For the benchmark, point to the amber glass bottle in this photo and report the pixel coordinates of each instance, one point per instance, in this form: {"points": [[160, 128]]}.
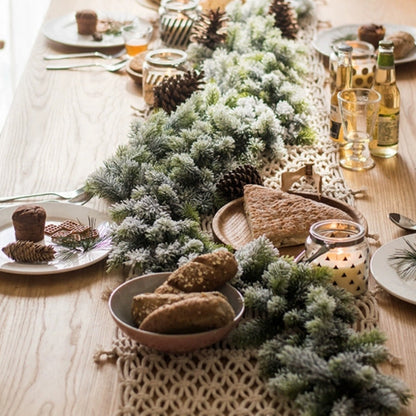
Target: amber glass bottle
{"points": [[343, 80]]}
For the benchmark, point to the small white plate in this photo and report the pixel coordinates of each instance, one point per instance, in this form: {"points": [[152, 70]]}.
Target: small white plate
{"points": [[64, 30], [56, 212], [325, 39], [386, 275]]}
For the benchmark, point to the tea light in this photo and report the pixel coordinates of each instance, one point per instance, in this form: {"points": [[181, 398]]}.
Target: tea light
{"points": [[347, 255]]}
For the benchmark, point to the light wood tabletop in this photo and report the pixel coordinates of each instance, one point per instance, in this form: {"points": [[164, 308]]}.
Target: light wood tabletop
{"points": [[61, 127]]}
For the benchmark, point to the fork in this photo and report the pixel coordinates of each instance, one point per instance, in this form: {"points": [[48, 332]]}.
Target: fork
{"points": [[70, 195], [108, 67], [83, 55]]}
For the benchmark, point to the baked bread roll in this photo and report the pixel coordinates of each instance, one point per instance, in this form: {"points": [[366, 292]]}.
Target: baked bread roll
{"points": [[285, 219], [29, 223], [146, 303], [403, 43], [203, 274], [371, 33], [197, 313]]}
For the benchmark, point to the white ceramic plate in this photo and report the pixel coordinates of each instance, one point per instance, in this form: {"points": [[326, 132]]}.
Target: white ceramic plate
{"points": [[64, 30], [385, 274], [326, 38], [56, 212]]}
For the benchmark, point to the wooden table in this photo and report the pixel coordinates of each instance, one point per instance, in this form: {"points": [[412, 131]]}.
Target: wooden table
{"points": [[61, 127]]}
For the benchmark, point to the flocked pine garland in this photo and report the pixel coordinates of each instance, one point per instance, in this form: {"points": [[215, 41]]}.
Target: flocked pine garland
{"points": [[164, 179], [308, 350]]}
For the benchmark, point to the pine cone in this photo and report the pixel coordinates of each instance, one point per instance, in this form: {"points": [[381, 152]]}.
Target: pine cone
{"points": [[29, 252], [285, 18], [210, 29], [231, 185], [175, 90]]}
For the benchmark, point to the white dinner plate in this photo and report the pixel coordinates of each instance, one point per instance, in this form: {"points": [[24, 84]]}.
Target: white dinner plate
{"points": [[56, 212], [64, 30], [325, 39], [386, 275]]}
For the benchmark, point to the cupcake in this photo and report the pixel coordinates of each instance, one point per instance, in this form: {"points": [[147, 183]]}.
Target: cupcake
{"points": [[86, 22], [29, 223], [371, 33]]}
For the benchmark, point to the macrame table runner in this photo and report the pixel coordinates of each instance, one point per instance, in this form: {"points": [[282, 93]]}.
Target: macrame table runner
{"points": [[220, 380]]}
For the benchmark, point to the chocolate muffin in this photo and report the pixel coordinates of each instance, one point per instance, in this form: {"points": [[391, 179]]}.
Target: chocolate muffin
{"points": [[86, 22], [371, 33], [29, 222]]}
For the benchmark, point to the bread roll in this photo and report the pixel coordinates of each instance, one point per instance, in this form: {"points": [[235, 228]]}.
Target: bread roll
{"points": [[285, 219], [204, 273], [197, 313], [146, 303], [403, 43]]}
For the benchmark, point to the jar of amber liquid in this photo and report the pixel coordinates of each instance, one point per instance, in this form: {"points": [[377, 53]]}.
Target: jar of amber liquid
{"points": [[363, 63], [160, 64], [176, 18], [341, 246]]}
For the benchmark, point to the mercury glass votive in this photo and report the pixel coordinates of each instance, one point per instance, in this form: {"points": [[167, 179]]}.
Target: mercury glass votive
{"points": [[346, 252]]}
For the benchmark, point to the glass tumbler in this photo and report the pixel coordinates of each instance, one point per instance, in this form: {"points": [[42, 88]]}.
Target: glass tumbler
{"points": [[359, 110]]}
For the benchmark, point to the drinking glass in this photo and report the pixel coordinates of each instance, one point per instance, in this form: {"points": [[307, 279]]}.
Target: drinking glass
{"points": [[359, 110], [136, 38]]}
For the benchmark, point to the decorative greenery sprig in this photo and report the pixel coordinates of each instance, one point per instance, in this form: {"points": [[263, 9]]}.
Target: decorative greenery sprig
{"points": [[308, 350], [404, 261], [252, 104]]}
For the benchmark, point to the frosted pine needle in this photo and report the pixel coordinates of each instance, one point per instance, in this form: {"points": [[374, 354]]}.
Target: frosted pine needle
{"points": [[404, 261]]}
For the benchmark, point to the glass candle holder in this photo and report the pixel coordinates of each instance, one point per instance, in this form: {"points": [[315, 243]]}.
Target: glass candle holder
{"points": [[344, 249], [363, 63], [176, 20], [159, 64]]}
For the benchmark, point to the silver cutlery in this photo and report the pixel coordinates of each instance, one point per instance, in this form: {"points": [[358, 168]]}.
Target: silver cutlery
{"points": [[75, 195], [108, 67], [402, 221], [84, 55]]}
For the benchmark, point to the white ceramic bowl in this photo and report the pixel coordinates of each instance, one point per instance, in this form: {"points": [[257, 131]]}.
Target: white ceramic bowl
{"points": [[120, 304]]}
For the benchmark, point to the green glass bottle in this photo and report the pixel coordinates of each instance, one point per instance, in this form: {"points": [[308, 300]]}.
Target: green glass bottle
{"points": [[385, 142]]}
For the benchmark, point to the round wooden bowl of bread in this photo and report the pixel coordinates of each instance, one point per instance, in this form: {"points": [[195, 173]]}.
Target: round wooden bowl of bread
{"points": [[120, 304]]}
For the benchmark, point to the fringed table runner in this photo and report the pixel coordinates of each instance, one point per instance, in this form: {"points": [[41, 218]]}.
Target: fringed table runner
{"points": [[220, 380]]}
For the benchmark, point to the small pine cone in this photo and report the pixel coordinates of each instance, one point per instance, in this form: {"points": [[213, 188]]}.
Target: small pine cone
{"points": [[210, 29], [29, 252], [285, 18], [177, 89], [231, 185]]}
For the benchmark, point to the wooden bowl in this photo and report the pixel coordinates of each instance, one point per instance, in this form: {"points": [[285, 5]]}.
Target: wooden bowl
{"points": [[230, 225], [120, 304]]}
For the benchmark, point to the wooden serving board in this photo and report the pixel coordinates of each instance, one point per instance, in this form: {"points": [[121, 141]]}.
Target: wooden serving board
{"points": [[230, 224]]}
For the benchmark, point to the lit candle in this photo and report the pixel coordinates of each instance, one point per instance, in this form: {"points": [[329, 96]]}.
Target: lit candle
{"points": [[349, 269], [347, 253]]}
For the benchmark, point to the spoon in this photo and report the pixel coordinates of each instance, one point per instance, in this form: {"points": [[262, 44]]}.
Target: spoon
{"points": [[402, 221]]}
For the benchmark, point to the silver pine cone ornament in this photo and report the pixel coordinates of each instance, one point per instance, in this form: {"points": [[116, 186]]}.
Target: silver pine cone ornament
{"points": [[231, 184], [29, 252], [210, 30], [175, 90], [285, 18]]}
